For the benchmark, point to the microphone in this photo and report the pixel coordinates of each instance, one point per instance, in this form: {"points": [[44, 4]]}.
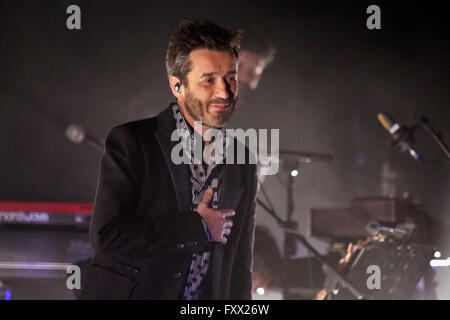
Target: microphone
{"points": [[76, 133], [402, 136]]}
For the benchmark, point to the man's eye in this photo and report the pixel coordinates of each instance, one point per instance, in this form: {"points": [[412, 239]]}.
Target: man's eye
{"points": [[210, 80], [232, 79]]}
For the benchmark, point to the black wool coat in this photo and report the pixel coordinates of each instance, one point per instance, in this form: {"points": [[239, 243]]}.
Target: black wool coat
{"points": [[143, 231]]}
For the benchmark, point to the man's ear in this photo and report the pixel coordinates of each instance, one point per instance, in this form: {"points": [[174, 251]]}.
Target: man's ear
{"points": [[175, 83]]}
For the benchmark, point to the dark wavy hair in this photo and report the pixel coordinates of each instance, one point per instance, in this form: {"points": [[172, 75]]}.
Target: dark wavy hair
{"points": [[191, 35]]}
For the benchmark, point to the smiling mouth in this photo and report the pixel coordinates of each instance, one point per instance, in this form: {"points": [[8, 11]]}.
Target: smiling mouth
{"points": [[220, 106]]}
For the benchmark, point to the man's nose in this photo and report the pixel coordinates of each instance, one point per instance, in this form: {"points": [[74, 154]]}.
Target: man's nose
{"points": [[223, 90]]}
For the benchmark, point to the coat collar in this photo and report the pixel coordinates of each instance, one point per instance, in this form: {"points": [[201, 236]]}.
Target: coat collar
{"points": [[166, 122]]}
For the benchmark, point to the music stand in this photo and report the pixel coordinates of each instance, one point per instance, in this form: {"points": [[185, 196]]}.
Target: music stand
{"points": [[400, 265]]}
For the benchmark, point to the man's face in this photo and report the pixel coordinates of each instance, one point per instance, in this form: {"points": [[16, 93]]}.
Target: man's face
{"points": [[211, 92]]}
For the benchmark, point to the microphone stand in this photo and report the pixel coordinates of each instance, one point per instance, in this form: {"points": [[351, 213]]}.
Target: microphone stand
{"points": [[290, 161], [437, 137]]}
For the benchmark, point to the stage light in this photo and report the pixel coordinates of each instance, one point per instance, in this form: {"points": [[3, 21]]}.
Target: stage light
{"points": [[5, 293], [260, 291], [437, 254], [294, 173], [440, 263]]}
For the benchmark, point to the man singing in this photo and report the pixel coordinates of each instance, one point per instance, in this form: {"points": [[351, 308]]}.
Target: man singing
{"points": [[162, 230]]}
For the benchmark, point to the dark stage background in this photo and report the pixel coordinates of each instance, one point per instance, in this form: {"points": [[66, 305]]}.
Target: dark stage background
{"points": [[329, 79]]}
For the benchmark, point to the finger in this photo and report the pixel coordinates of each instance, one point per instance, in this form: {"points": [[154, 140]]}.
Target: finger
{"points": [[227, 213], [207, 196], [228, 224]]}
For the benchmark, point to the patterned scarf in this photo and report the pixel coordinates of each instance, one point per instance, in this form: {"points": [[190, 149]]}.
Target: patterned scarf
{"points": [[202, 177]]}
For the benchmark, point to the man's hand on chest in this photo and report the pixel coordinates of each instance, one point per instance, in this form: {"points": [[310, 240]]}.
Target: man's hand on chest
{"points": [[219, 222]]}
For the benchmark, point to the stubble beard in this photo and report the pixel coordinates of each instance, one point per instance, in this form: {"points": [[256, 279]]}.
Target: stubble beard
{"points": [[199, 111]]}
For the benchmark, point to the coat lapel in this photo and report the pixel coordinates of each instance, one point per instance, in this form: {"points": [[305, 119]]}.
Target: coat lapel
{"points": [[178, 173], [231, 189], [230, 194]]}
